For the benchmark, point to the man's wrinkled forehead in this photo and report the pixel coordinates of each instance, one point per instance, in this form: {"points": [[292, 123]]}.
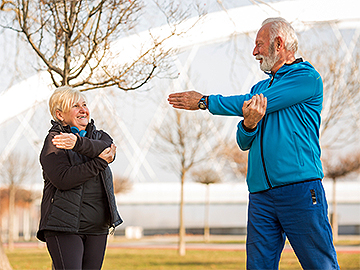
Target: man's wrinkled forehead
{"points": [[264, 33]]}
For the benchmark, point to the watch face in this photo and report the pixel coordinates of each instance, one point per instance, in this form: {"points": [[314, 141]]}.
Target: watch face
{"points": [[202, 105]]}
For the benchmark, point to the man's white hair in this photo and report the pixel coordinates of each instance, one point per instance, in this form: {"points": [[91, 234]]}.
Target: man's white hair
{"points": [[281, 28]]}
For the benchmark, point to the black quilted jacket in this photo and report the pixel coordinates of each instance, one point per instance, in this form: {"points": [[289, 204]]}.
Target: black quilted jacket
{"points": [[64, 173]]}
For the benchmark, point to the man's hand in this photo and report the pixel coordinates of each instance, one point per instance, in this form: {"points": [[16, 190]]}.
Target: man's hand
{"points": [[185, 100], [108, 154], [65, 141], [254, 110]]}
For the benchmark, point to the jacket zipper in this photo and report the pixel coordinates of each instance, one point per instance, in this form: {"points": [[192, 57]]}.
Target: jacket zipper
{"points": [[262, 153], [81, 202], [261, 143], [80, 205]]}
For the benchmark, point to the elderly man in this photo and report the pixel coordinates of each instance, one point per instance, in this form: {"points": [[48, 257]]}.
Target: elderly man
{"points": [[281, 131]]}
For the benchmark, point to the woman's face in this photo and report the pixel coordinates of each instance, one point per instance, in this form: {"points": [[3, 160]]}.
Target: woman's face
{"points": [[78, 116]]}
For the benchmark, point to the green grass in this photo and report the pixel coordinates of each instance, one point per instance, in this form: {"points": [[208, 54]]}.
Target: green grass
{"points": [[166, 259], [151, 259], [348, 243], [29, 258]]}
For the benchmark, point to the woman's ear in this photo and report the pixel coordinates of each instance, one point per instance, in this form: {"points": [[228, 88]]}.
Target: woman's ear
{"points": [[59, 115]]}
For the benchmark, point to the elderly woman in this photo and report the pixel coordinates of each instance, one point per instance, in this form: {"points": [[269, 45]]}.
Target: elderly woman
{"points": [[78, 206]]}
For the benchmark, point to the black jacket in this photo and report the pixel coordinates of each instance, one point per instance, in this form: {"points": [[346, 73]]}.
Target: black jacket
{"points": [[65, 172]]}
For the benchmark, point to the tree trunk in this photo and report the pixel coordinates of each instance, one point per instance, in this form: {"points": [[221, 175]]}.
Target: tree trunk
{"points": [[26, 225], [206, 217], [4, 261], [182, 250], [334, 220], [11, 217]]}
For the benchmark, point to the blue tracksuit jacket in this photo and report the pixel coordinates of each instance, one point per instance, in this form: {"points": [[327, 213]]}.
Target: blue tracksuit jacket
{"points": [[284, 148]]}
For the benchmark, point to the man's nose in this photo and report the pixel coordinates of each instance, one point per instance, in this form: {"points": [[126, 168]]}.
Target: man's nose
{"points": [[255, 51]]}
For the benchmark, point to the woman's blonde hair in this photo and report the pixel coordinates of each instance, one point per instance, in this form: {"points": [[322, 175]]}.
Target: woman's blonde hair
{"points": [[63, 99]]}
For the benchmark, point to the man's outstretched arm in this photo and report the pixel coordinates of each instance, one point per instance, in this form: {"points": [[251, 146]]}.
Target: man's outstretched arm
{"points": [[185, 100], [230, 106]]}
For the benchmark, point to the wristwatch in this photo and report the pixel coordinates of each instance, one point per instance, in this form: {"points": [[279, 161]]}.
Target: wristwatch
{"points": [[202, 103]]}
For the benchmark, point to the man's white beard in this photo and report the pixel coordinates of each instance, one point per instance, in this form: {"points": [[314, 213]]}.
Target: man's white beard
{"points": [[268, 62]]}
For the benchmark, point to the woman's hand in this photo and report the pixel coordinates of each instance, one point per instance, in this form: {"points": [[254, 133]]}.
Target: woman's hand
{"points": [[108, 154], [65, 141]]}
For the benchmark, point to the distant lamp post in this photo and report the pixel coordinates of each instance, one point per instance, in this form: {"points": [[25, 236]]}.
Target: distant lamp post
{"points": [[206, 177]]}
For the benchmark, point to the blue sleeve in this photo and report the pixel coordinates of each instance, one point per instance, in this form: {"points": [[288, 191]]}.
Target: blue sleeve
{"points": [[295, 87], [244, 139], [230, 106]]}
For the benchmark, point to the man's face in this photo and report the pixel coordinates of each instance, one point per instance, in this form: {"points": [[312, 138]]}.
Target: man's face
{"points": [[264, 50]]}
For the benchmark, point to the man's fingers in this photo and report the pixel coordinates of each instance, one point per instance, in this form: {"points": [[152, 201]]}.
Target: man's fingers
{"points": [[252, 102], [176, 95], [262, 102], [187, 100], [258, 102], [177, 100], [265, 103], [178, 106]]}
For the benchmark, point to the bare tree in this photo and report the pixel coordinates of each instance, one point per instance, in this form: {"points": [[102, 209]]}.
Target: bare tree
{"points": [[4, 261], [237, 159], [75, 40], [181, 139], [15, 171], [340, 72], [122, 184], [23, 197], [338, 170], [340, 121], [206, 177]]}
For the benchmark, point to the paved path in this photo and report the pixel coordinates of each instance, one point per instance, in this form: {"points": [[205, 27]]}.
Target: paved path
{"points": [[196, 243], [192, 243]]}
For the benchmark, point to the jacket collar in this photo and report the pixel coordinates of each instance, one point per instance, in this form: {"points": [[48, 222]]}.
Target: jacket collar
{"points": [[58, 127], [285, 67]]}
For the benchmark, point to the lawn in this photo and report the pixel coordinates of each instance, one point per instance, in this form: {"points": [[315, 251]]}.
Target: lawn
{"points": [[167, 259]]}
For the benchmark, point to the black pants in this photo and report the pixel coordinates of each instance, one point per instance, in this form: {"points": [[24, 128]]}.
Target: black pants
{"points": [[77, 251]]}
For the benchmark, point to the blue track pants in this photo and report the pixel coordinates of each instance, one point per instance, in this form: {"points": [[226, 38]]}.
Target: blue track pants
{"points": [[298, 212]]}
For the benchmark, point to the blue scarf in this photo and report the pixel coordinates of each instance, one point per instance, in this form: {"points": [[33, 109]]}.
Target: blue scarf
{"points": [[75, 130]]}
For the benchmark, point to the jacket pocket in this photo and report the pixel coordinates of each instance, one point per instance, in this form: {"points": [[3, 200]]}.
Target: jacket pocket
{"points": [[298, 150], [65, 210]]}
